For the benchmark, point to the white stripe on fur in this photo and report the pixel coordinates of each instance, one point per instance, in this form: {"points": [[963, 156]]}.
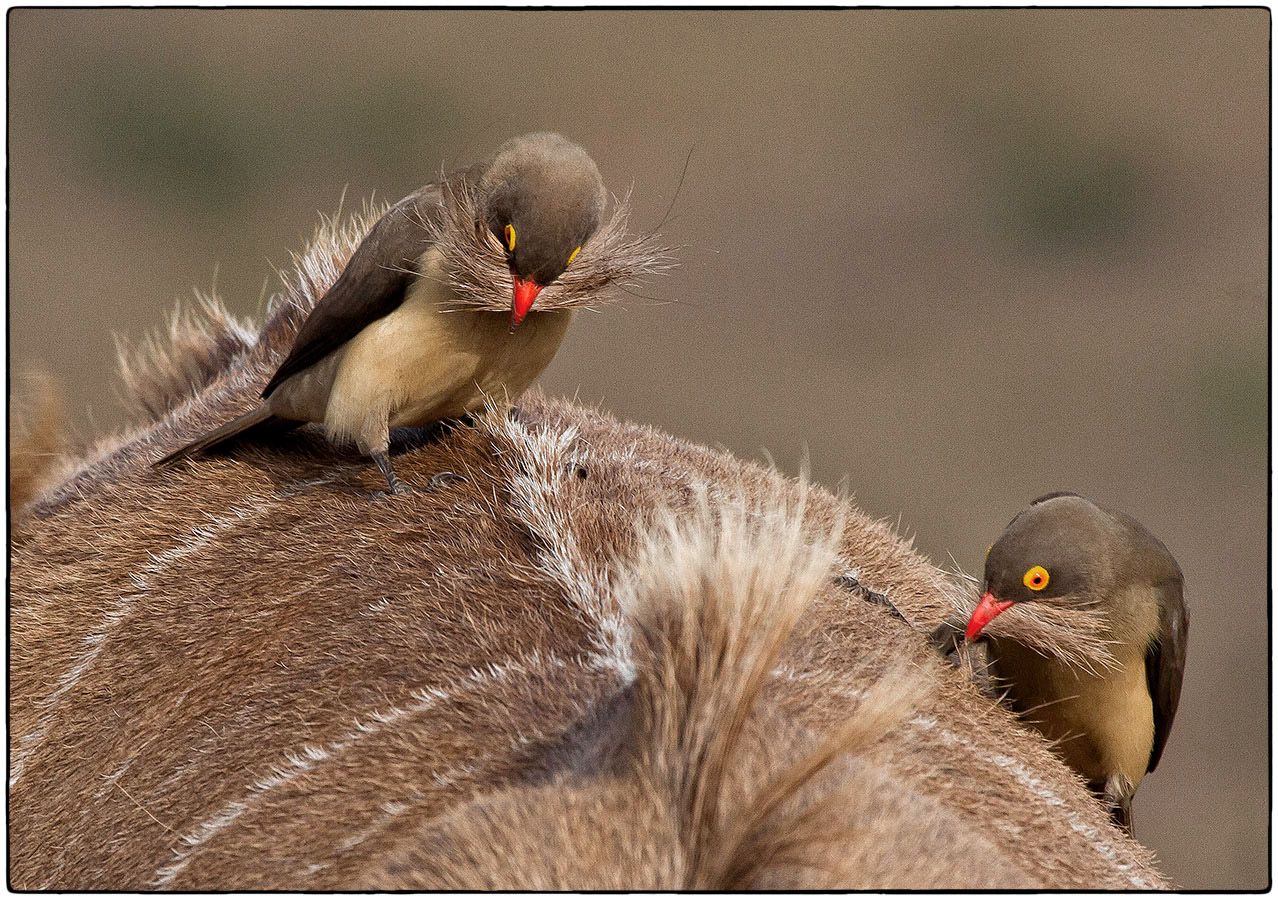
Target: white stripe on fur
{"points": [[296, 764], [536, 496], [117, 613], [1040, 790]]}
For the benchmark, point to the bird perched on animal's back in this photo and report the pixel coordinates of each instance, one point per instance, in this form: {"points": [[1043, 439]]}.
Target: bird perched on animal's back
{"points": [[1094, 655], [460, 292]]}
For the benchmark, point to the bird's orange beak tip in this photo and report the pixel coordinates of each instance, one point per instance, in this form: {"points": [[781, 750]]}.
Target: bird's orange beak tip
{"points": [[526, 292], [986, 611]]}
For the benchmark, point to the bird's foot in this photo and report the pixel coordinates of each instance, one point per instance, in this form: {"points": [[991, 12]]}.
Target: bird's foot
{"points": [[443, 480], [438, 482], [394, 489], [947, 637], [394, 486]]}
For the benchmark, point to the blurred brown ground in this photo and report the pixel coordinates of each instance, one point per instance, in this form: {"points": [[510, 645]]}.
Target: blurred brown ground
{"points": [[959, 258]]}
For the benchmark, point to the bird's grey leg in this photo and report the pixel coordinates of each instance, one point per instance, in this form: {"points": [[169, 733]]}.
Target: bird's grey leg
{"points": [[373, 439], [948, 636], [388, 472], [1117, 794]]}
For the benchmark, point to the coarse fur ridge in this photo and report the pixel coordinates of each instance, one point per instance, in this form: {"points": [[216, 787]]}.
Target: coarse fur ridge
{"points": [[715, 598], [39, 441], [197, 345], [170, 365], [240, 673]]}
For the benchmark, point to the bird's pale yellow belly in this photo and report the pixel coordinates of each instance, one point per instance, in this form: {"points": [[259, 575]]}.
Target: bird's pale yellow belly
{"points": [[446, 364], [1102, 726], [424, 362]]}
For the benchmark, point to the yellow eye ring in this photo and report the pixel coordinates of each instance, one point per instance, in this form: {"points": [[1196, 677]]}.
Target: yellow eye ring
{"points": [[1036, 578], [573, 255], [510, 238]]}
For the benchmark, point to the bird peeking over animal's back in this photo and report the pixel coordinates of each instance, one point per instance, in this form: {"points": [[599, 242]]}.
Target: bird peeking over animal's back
{"points": [[459, 293], [1087, 626]]}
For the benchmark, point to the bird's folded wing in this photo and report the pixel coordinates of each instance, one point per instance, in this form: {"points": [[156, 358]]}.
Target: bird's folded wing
{"points": [[373, 284], [1165, 663]]}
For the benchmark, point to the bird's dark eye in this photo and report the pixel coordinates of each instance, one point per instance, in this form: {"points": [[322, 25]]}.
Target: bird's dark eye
{"points": [[509, 233], [1036, 578]]}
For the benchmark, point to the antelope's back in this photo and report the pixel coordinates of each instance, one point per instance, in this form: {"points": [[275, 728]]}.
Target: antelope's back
{"points": [[245, 673]]}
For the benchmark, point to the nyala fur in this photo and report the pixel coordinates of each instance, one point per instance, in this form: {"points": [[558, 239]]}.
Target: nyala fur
{"points": [[585, 654]]}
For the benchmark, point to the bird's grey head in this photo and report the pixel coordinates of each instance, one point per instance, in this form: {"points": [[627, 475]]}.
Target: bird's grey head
{"points": [[542, 198], [1059, 557], [1063, 548], [1071, 576]]}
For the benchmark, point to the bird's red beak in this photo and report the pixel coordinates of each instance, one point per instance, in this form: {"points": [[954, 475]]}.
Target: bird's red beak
{"points": [[525, 293], [985, 612]]}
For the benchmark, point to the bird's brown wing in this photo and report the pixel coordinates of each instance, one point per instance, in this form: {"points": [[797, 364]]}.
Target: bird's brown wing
{"points": [[1165, 663], [375, 280]]}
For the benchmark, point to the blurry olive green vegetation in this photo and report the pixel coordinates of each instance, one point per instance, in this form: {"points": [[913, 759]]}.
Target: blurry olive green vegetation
{"points": [[1057, 184], [178, 136], [1232, 397], [957, 258], [1065, 192]]}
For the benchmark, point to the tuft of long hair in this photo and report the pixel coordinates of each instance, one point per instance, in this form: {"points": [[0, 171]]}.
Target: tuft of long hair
{"points": [[714, 599], [315, 269], [171, 364], [1076, 634], [613, 258], [39, 442]]}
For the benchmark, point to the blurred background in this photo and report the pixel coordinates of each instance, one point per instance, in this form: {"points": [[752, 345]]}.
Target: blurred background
{"points": [[960, 258]]}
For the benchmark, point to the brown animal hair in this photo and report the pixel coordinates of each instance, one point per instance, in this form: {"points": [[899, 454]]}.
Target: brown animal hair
{"points": [[710, 603], [39, 439], [584, 654], [178, 361]]}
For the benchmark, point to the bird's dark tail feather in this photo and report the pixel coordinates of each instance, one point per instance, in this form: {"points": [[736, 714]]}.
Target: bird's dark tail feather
{"points": [[256, 422]]}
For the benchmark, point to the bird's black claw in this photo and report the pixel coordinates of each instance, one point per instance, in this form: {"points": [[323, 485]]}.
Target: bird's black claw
{"points": [[947, 637], [393, 484], [395, 489], [443, 480]]}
